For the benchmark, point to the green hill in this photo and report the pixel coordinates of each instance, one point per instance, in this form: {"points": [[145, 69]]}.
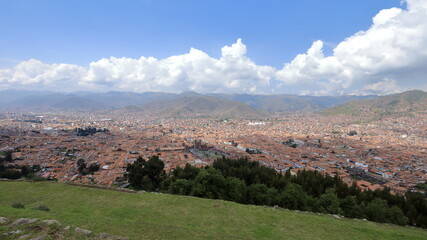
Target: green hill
{"points": [[163, 216], [396, 104]]}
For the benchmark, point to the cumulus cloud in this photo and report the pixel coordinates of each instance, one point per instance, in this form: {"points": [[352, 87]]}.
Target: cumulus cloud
{"points": [[36, 75], [392, 48], [193, 71], [385, 87], [388, 57]]}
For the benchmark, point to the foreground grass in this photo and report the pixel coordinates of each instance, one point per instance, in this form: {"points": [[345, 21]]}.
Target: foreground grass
{"points": [[163, 216]]}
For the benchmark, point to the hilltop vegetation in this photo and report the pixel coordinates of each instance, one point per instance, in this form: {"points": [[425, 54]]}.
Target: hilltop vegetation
{"points": [[164, 216], [248, 182]]}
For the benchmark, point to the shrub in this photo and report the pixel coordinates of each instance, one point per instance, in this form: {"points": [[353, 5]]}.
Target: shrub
{"points": [[352, 133], [42, 208], [18, 205], [10, 174], [38, 178]]}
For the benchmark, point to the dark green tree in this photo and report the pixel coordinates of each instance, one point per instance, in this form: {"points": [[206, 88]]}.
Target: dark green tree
{"points": [[350, 207], [235, 190], [81, 165], [329, 202], [260, 194], [181, 187], [93, 167], [8, 156], [146, 175], [396, 216], [294, 198], [209, 183], [377, 210]]}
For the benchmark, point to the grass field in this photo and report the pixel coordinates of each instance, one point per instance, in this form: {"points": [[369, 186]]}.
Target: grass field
{"points": [[163, 216]]}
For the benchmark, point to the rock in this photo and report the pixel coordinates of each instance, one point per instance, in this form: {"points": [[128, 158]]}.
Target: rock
{"points": [[111, 237], [52, 222], [24, 236], [38, 237], [82, 231], [4, 220], [15, 232], [336, 216], [23, 221], [67, 228]]}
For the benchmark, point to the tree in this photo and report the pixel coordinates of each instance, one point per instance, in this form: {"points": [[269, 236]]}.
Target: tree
{"points": [[188, 172], [81, 165], [154, 170], [377, 210], [146, 175], [260, 194], [209, 183], [235, 190], [25, 170], [135, 173], [421, 221], [10, 174], [396, 216], [8, 157], [93, 167], [293, 197], [181, 187], [350, 207], [352, 133], [329, 202]]}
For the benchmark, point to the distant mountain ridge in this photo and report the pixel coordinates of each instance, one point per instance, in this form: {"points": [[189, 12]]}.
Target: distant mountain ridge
{"points": [[396, 104], [169, 104], [203, 106]]}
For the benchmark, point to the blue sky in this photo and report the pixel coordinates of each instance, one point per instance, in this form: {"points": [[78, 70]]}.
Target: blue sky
{"points": [[82, 32]]}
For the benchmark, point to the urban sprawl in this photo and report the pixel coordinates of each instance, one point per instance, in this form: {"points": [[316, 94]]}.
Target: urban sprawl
{"points": [[390, 152]]}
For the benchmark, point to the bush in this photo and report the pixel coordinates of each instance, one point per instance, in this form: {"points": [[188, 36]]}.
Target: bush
{"points": [[10, 174], [18, 205], [42, 208], [38, 178], [352, 133]]}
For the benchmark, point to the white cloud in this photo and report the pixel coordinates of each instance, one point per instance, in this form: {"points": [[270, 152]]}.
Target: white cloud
{"points": [[33, 74], [195, 71], [385, 87], [393, 47], [390, 56]]}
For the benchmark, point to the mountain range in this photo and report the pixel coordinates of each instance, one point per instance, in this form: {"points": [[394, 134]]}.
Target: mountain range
{"points": [[43, 100], [213, 105]]}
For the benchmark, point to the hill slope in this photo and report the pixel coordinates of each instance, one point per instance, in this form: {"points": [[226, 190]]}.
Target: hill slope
{"points": [[289, 103], [203, 106], [163, 216], [396, 104]]}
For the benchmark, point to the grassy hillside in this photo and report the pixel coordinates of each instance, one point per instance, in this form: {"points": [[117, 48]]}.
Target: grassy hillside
{"points": [[396, 104], [163, 216]]}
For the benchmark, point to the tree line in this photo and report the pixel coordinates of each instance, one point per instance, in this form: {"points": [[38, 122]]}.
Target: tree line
{"points": [[248, 182], [13, 172]]}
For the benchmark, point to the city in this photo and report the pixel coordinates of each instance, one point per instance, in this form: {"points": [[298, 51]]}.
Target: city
{"points": [[391, 152]]}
